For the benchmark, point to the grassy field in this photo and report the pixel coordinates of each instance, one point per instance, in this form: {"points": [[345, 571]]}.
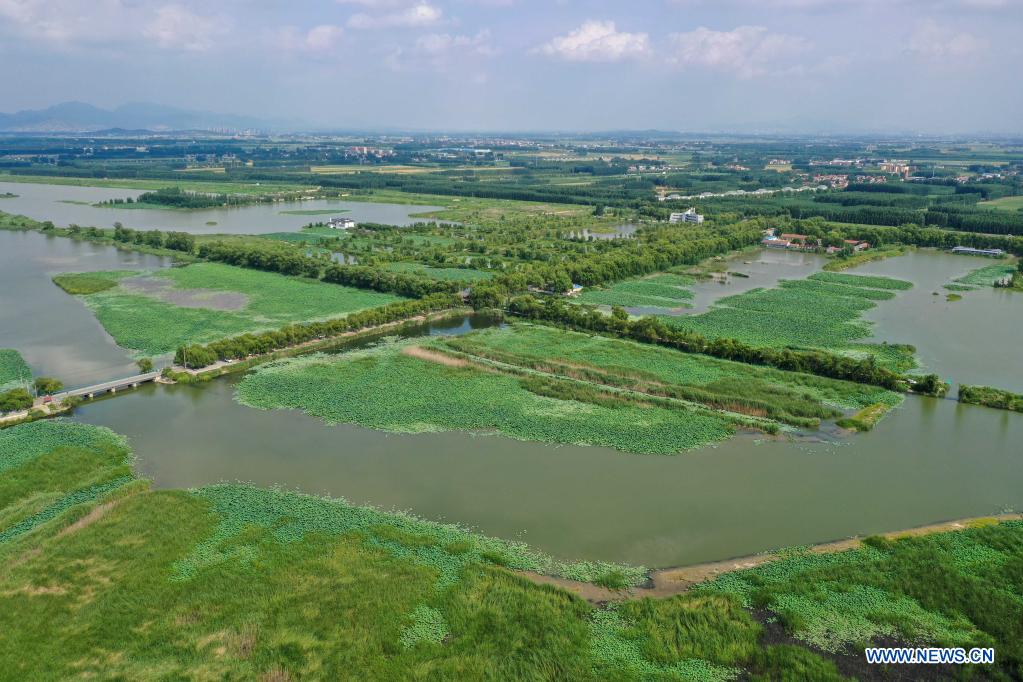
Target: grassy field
{"points": [[102, 577], [1014, 204], [385, 388], [14, 371], [152, 313], [957, 589], [449, 274], [650, 367], [822, 311], [538, 383], [666, 291]]}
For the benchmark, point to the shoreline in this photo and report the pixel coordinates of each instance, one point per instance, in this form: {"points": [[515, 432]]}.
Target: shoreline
{"points": [[675, 580]]}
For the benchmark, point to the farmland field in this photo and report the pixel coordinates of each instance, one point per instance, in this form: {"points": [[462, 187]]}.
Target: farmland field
{"points": [[1014, 204], [822, 311], [390, 389], [449, 274], [14, 371], [659, 291], [153, 313]]}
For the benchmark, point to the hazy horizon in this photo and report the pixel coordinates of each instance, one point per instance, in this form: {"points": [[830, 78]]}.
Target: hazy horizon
{"points": [[735, 66]]}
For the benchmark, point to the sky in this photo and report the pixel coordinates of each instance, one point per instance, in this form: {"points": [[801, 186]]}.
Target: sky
{"points": [[929, 66]]}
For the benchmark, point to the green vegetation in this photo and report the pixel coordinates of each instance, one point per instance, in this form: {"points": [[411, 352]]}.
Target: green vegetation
{"points": [[155, 313], [447, 274], [86, 282], [14, 371], [950, 589], [388, 388], [657, 291], [290, 336], [1013, 204], [991, 397], [867, 418], [104, 577], [988, 276], [662, 371], [15, 400], [822, 312], [46, 385]]}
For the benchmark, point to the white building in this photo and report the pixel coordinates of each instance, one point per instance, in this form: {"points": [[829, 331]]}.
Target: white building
{"points": [[340, 223], [690, 216]]}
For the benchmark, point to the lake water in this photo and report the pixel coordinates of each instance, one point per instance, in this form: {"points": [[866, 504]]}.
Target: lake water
{"points": [[973, 341], [56, 334], [50, 202], [930, 460]]}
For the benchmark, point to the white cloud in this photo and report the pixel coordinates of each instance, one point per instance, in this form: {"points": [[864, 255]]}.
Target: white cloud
{"points": [[175, 26], [324, 38], [597, 41], [418, 14], [932, 41], [747, 51], [437, 44], [110, 23]]}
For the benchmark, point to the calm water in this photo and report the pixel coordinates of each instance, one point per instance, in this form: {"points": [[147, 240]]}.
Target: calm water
{"points": [[763, 269], [973, 341], [56, 334], [931, 460], [934, 460], [49, 202]]}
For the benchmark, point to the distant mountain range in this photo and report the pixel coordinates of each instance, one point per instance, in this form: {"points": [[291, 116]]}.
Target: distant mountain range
{"points": [[71, 117]]}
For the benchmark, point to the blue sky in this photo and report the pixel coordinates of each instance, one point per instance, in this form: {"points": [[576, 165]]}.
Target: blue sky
{"points": [[690, 65]]}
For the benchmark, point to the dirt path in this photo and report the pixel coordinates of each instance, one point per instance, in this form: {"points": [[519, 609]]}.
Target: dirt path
{"points": [[667, 582], [433, 356]]}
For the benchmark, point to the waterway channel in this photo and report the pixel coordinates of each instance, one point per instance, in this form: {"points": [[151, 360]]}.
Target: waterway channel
{"points": [[67, 204], [928, 461]]}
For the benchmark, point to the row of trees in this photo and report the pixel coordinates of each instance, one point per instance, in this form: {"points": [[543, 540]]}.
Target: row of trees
{"points": [[177, 241], [653, 330], [237, 347]]}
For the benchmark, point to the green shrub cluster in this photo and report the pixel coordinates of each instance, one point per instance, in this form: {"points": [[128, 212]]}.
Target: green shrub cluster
{"points": [[991, 397]]}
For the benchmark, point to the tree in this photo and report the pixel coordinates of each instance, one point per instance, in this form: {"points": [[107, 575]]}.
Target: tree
{"points": [[145, 365], [47, 385], [14, 400]]}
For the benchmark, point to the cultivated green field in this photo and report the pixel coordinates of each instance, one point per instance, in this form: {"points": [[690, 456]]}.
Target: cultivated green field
{"points": [[1014, 204], [822, 311], [152, 313], [386, 388], [14, 371], [449, 274], [659, 291]]}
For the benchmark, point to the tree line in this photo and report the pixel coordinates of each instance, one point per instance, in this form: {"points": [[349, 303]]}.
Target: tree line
{"points": [[652, 330], [197, 356]]}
